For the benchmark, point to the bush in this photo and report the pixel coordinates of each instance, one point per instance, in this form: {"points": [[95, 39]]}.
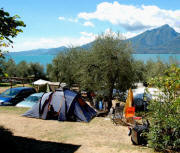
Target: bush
{"points": [[164, 112]]}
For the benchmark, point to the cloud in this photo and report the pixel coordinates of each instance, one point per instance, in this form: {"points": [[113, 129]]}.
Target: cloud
{"points": [[68, 19], [61, 18], [133, 18], [87, 34], [72, 20], [84, 38], [30, 43], [124, 35], [88, 23], [130, 34]]}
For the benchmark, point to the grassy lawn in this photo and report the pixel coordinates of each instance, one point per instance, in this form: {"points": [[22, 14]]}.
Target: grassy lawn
{"points": [[98, 136], [5, 84], [12, 110]]}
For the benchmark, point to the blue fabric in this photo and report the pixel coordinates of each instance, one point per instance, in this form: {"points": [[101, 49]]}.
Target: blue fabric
{"points": [[69, 97], [90, 110], [62, 114], [85, 113], [70, 109], [79, 112]]}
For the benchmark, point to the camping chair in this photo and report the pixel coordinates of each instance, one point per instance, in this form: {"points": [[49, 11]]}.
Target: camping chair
{"points": [[117, 117], [118, 110]]}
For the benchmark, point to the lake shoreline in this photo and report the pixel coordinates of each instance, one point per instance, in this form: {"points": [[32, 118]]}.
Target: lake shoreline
{"points": [[47, 59]]}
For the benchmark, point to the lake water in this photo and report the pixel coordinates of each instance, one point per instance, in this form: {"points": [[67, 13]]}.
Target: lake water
{"points": [[46, 59], [163, 57], [42, 59]]}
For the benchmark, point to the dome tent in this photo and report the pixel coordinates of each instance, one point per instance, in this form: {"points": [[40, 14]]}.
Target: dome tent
{"points": [[63, 105]]}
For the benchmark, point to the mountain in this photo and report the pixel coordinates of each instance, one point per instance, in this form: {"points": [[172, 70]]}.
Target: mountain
{"points": [[49, 51], [162, 40]]}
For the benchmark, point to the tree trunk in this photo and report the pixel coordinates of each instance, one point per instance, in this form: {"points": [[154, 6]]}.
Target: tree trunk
{"points": [[109, 104], [110, 96]]}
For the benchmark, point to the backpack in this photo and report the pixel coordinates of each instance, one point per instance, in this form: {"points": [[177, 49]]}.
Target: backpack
{"points": [[138, 137]]}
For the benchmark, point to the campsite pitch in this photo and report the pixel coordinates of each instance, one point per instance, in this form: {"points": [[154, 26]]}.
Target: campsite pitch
{"points": [[97, 136]]}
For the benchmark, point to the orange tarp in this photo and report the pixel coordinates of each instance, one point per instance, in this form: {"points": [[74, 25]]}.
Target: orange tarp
{"points": [[129, 102], [130, 112]]}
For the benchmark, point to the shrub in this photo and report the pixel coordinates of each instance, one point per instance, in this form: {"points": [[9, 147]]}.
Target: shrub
{"points": [[164, 112]]}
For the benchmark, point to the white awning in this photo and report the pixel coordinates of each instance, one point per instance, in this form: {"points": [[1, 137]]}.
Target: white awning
{"points": [[40, 82]]}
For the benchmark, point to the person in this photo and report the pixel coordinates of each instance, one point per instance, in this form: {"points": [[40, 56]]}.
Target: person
{"points": [[96, 104], [111, 112], [100, 105], [90, 98], [105, 105]]}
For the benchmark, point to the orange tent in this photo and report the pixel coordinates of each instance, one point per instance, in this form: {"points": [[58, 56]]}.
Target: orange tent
{"points": [[128, 109]]}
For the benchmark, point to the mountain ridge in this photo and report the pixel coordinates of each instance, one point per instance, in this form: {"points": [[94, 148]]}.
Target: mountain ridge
{"points": [[161, 40]]}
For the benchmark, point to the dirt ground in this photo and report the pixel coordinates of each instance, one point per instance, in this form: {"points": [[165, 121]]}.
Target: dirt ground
{"points": [[98, 136], [3, 89]]}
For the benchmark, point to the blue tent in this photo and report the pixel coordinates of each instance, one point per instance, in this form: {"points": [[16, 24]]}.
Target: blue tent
{"points": [[63, 105]]}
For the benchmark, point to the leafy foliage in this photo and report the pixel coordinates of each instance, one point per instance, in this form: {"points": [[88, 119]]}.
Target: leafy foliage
{"points": [[107, 65], [110, 66], [65, 66], [10, 66], [22, 69], [154, 68], [36, 70], [2, 67], [165, 112], [9, 28]]}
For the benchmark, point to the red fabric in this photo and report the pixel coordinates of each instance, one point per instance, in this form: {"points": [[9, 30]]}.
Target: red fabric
{"points": [[130, 112], [137, 118], [92, 94], [81, 102]]}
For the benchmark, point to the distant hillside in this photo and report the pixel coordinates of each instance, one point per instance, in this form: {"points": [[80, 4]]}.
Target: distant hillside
{"points": [[162, 40], [49, 51]]}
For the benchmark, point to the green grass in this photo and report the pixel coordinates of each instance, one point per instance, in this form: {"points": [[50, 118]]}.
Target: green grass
{"points": [[5, 84], [13, 109]]}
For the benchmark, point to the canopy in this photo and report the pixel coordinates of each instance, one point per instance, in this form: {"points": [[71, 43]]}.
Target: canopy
{"points": [[40, 82]]}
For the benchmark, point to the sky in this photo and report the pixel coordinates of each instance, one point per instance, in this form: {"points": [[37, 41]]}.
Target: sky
{"points": [[55, 23]]}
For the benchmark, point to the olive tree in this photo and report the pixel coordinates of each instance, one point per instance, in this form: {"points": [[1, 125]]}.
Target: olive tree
{"points": [[66, 66], [9, 28], [22, 69], [36, 70], [109, 66], [106, 65]]}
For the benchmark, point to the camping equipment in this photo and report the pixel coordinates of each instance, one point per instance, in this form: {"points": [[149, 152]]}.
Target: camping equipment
{"points": [[137, 134], [129, 101], [62, 105], [124, 112], [130, 112]]}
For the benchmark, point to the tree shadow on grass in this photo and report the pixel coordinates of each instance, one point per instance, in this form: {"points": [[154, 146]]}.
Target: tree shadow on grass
{"points": [[17, 144]]}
